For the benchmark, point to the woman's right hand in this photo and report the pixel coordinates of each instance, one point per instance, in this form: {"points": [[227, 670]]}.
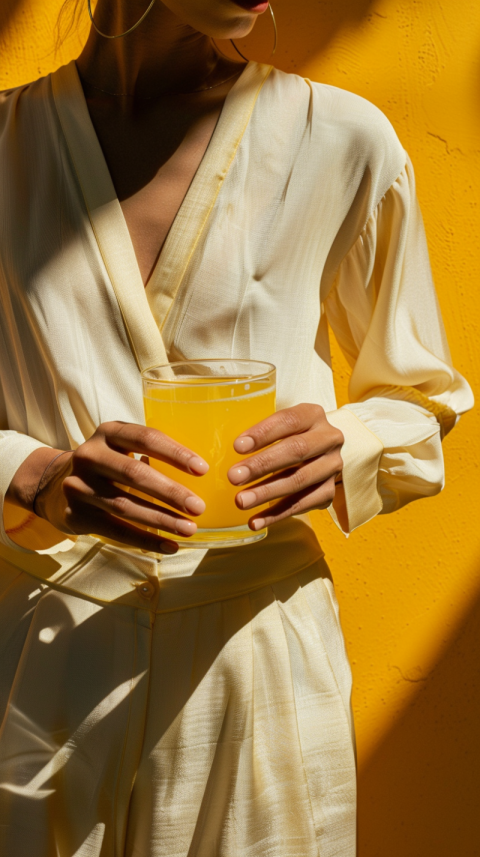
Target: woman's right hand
{"points": [[85, 492]]}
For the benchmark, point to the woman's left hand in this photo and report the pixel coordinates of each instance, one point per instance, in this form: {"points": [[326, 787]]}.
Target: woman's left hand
{"points": [[304, 464]]}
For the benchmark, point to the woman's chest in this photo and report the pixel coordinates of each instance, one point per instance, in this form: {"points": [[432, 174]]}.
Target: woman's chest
{"points": [[152, 159]]}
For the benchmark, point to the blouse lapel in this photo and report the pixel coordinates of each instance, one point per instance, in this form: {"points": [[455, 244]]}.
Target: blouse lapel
{"points": [[193, 215], [106, 217], [145, 310]]}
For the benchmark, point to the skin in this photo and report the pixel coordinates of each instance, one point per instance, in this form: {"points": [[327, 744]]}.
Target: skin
{"points": [[154, 131]]}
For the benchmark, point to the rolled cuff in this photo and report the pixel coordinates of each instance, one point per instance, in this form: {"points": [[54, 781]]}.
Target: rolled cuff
{"points": [[14, 449], [357, 499]]}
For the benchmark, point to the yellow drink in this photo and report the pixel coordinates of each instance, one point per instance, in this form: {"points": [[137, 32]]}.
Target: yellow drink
{"points": [[206, 415]]}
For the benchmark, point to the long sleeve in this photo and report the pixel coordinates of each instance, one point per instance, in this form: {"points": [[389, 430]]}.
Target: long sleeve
{"points": [[405, 395]]}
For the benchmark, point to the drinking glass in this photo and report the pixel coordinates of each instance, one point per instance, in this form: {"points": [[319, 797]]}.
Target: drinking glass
{"points": [[205, 405]]}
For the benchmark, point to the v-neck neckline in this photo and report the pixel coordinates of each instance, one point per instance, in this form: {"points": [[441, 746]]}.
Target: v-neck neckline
{"points": [[145, 308]]}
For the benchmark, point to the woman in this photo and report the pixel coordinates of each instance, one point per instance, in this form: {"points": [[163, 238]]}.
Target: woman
{"points": [[159, 202]]}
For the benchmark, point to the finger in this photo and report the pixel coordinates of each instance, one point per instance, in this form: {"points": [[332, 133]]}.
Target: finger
{"points": [[283, 423], [117, 467], [315, 497], [290, 451], [148, 441], [287, 482], [126, 506], [102, 524]]}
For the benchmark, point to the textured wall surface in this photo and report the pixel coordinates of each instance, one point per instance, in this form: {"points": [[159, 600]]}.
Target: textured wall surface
{"points": [[409, 583]]}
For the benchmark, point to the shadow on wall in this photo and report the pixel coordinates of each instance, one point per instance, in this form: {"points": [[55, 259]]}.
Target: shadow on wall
{"points": [[419, 793], [304, 30], [310, 26]]}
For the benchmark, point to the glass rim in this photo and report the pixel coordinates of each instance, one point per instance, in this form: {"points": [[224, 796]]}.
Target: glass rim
{"points": [[204, 380]]}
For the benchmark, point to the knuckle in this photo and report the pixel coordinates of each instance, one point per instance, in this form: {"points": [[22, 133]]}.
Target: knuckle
{"points": [[81, 453], [159, 520], [329, 492], [338, 437], [132, 469], [165, 522], [299, 478], [108, 430], [291, 418], [151, 437], [312, 413], [261, 432], [181, 454], [107, 427], [84, 457], [317, 411], [176, 493], [119, 505], [299, 447], [262, 463]]}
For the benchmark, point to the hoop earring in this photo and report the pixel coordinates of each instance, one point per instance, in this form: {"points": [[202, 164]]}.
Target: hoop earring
{"points": [[119, 35], [275, 35]]}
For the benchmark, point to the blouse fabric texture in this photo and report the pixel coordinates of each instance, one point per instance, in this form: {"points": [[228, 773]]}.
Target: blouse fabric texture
{"points": [[200, 704]]}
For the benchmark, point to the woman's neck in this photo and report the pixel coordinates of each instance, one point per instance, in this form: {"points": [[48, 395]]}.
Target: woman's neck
{"points": [[164, 55]]}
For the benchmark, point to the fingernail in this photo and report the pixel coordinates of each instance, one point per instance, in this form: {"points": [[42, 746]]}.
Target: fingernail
{"points": [[244, 444], [239, 474], [168, 547], [186, 528], [198, 464], [247, 498], [194, 505], [258, 523]]}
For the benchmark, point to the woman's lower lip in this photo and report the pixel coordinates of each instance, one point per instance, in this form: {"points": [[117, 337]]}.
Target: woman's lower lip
{"points": [[252, 5]]}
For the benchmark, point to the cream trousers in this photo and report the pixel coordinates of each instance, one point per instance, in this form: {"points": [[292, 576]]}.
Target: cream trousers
{"points": [[161, 729]]}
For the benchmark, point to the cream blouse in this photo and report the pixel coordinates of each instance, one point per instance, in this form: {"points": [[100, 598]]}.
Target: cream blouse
{"points": [[302, 217]]}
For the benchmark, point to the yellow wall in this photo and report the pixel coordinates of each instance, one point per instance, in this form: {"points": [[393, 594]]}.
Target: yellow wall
{"points": [[408, 583]]}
